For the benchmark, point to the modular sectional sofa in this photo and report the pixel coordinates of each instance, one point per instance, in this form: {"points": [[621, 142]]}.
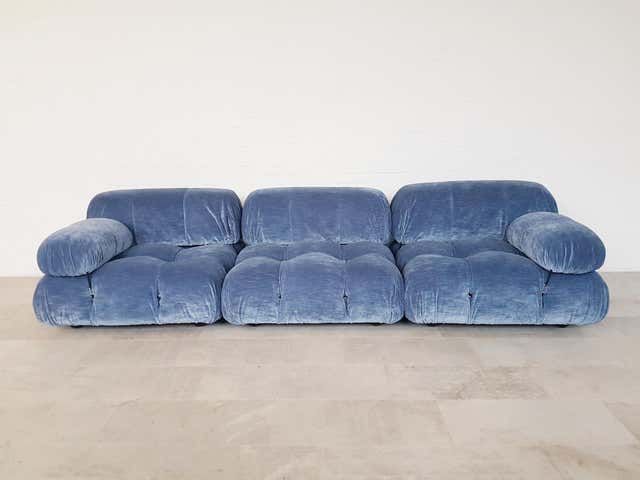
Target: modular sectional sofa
{"points": [[495, 253], [142, 257], [315, 255], [488, 252]]}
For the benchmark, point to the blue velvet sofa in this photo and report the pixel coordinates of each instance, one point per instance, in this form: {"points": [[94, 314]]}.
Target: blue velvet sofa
{"points": [[314, 255], [490, 252], [141, 257], [495, 252]]}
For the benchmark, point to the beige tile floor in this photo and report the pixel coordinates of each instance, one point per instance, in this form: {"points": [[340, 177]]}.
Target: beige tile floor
{"points": [[356, 402]]}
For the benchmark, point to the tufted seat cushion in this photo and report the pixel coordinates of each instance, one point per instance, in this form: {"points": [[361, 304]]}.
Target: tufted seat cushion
{"points": [[460, 265], [347, 251], [313, 282], [452, 248], [225, 254], [494, 287], [314, 255], [146, 284]]}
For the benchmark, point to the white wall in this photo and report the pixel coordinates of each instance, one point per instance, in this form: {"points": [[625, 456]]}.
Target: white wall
{"points": [[247, 94]]}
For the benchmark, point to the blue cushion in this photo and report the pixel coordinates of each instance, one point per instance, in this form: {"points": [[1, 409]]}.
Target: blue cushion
{"points": [[162, 251], [575, 299], [445, 211], [499, 288], [178, 216], [341, 215], [557, 243], [347, 251], [82, 247], [225, 254], [139, 289], [453, 248], [313, 287]]}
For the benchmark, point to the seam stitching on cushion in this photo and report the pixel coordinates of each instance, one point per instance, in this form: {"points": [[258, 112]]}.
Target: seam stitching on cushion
{"points": [[93, 296], [543, 291], [541, 309], [339, 215], [345, 295], [157, 313], [279, 306], [469, 290]]}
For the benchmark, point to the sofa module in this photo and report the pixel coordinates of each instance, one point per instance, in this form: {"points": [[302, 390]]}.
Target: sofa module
{"points": [[314, 255], [495, 252], [149, 256]]}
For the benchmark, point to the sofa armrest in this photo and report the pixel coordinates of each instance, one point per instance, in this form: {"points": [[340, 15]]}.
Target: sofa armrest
{"points": [[556, 242], [82, 247]]}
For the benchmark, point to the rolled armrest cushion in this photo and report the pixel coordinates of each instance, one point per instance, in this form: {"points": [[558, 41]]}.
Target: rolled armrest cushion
{"points": [[83, 246], [557, 243]]}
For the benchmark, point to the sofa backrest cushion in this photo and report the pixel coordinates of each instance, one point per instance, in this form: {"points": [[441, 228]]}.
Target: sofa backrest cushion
{"points": [[464, 210], [340, 214], [178, 216]]}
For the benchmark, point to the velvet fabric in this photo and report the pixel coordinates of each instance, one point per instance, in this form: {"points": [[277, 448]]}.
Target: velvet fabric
{"points": [[143, 286], [313, 287], [557, 243], [185, 240], [458, 267], [82, 247], [176, 216], [315, 255], [453, 248], [347, 251], [447, 211], [225, 254], [324, 255], [339, 215], [499, 288]]}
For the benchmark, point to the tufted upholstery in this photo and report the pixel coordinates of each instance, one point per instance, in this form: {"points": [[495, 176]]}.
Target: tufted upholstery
{"points": [[458, 267], [444, 211], [147, 284], [328, 283], [225, 254], [340, 215], [499, 288], [557, 243], [487, 252], [347, 251], [177, 216], [452, 248], [82, 247], [184, 243], [315, 255]]}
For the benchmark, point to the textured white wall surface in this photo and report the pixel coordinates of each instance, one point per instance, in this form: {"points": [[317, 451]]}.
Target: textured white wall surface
{"points": [[98, 95]]}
